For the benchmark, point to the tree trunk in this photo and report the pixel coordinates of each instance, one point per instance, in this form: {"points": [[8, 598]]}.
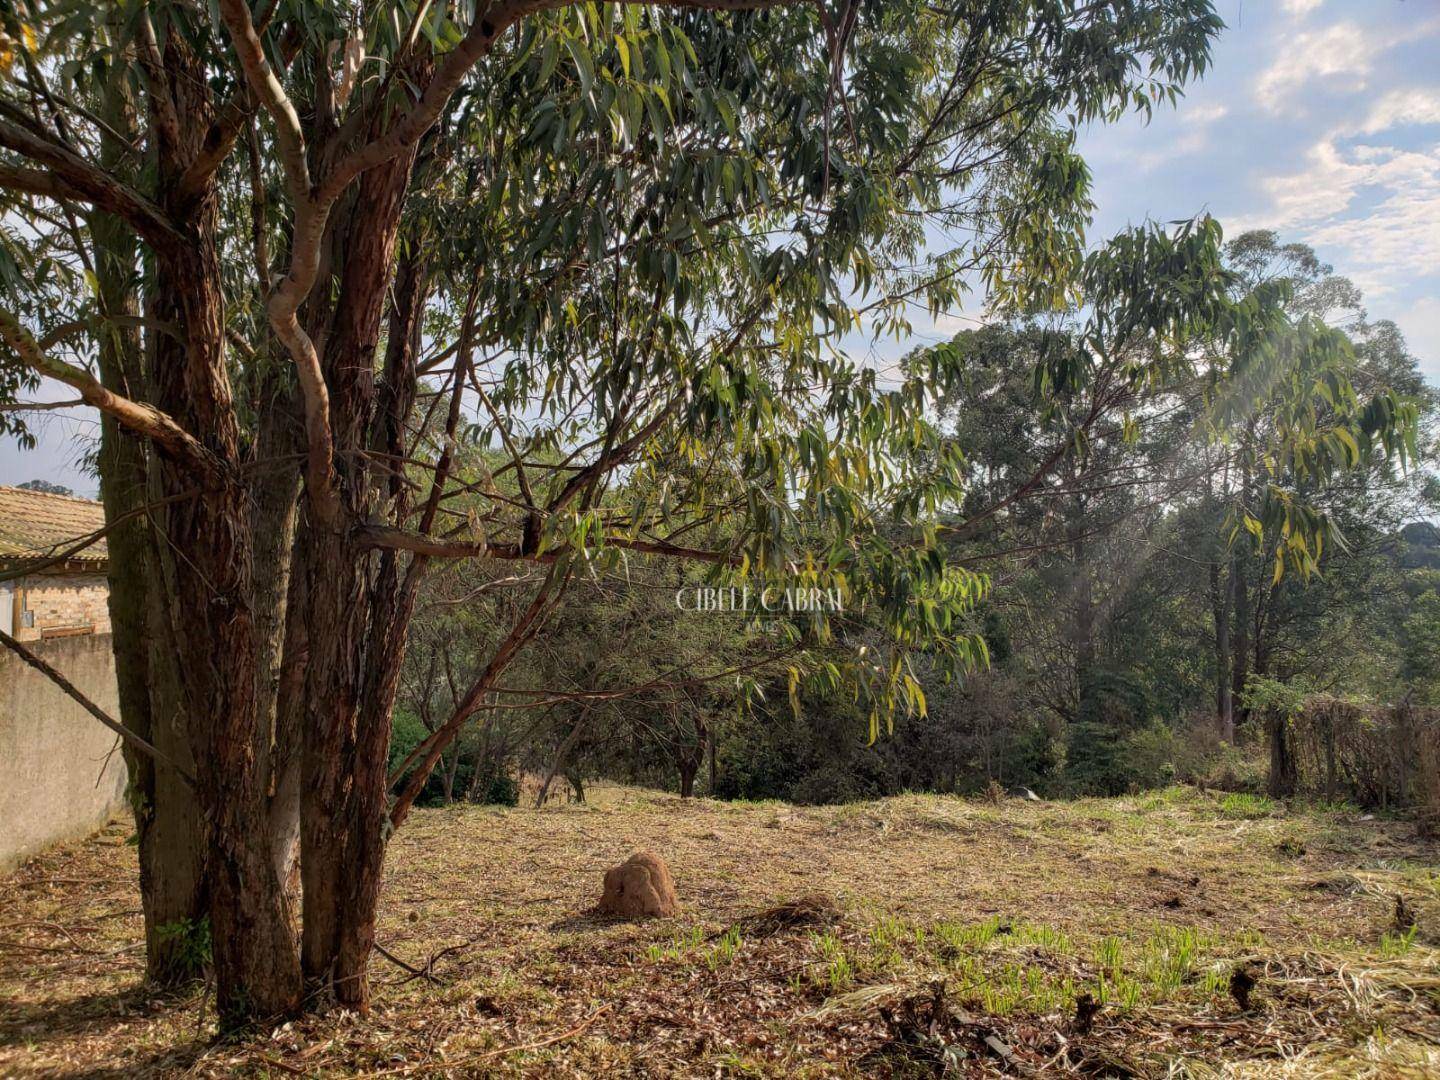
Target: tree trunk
{"points": [[1240, 652], [485, 754], [448, 777], [1084, 600], [289, 715], [278, 601], [359, 612], [1284, 773], [1240, 562], [1220, 598], [168, 824], [562, 753], [689, 759], [207, 567], [169, 827], [688, 769]]}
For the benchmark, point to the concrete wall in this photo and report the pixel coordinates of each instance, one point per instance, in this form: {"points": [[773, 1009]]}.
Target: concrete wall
{"points": [[55, 781]]}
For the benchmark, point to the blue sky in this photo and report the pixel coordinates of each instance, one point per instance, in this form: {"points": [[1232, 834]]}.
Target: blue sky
{"points": [[1319, 118]]}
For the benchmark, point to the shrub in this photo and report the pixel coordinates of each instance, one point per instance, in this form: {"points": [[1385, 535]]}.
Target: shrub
{"points": [[406, 733], [493, 784], [1115, 717], [1245, 806], [1151, 754]]}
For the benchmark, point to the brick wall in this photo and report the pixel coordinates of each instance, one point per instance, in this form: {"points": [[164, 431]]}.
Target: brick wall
{"points": [[61, 605]]}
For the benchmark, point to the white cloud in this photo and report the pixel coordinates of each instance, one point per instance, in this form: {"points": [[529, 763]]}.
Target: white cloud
{"points": [[1418, 105], [1209, 113], [1194, 137], [1338, 50], [949, 323], [1185, 145], [1396, 239], [1421, 324], [1341, 53], [1302, 7]]}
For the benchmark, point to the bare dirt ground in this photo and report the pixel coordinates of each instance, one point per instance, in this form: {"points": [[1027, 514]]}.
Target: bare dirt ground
{"points": [[933, 935]]}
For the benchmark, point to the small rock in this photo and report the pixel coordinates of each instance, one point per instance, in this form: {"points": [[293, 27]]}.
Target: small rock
{"points": [[999, 1048], [640, 888]]}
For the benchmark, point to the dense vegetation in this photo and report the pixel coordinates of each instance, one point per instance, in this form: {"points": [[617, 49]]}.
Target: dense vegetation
{"points": [[1127, 612]]}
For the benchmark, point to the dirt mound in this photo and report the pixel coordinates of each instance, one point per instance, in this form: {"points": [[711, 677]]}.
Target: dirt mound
{"points": [[640, 888]]}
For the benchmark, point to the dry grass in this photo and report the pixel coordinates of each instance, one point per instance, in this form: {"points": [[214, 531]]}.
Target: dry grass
{"points": [[1148, 904]]}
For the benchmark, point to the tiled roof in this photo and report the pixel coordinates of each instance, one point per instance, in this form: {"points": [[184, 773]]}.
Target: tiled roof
{"points": [[34, 524]]}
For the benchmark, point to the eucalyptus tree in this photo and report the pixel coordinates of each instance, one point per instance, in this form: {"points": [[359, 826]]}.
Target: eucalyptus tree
{"points": [[1264, 434], [614, 240], [1248, 487]]}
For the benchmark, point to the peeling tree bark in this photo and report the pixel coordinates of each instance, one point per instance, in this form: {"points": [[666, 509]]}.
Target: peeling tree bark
{"points": [[208, 571], [170, 829]]}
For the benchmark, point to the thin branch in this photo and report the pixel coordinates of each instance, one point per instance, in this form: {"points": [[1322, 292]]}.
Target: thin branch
{"points": [[40, 406], [28, 566], [521, 631], [387, 536], [89, 706]]}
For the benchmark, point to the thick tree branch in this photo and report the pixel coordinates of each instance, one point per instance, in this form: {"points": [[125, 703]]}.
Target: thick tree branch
{"points": [[265, 84], [140, 418], [308, 233], [313, 202], [35, 182], [448, 76], [219, 141], [161, 92], [67, 175]]}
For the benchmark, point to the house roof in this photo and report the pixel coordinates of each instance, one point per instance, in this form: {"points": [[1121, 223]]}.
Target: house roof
{"points": [[38, 525]]}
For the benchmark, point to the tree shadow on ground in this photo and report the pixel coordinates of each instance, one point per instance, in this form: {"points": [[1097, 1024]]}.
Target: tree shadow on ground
{"points": [[588, 920], [76, 1015], [89, 1014], [171, 1061]]}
